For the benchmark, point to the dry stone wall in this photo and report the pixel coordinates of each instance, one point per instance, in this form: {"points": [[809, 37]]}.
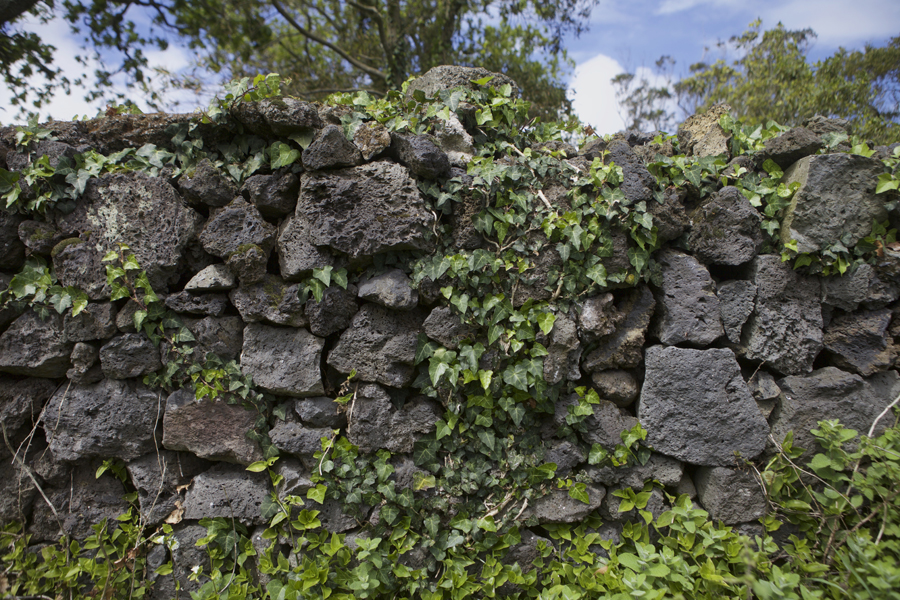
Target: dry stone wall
{"points": [[723, 350]]}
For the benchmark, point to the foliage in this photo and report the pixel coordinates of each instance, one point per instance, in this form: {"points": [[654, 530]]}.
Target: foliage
{"points": [[771, 80], [35, 286]]}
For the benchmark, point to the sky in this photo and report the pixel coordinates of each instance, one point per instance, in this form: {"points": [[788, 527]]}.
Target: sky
{"points": [[624, 35]]}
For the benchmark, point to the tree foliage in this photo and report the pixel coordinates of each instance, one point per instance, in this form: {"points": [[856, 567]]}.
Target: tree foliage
{"points": [[322, 46], [771, 79]]}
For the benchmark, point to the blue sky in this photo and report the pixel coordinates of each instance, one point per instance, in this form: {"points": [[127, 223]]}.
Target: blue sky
{"points": [[624, 34]]}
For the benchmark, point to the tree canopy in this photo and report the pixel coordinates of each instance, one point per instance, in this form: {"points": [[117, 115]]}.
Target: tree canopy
{"points": [[771, 79], [321, 45]]}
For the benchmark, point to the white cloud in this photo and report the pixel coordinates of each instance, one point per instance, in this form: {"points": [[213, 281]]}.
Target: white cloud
{"points": [[838, 22], [593, 97], [668, 7]]}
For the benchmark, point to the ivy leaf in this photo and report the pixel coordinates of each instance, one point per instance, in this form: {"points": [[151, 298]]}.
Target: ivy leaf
{"points": [[425, 348], [517, 414], [485, 378], [545, 321], [487, 438], [282, 155], [317, 494], [578, 491], [517, 376]]}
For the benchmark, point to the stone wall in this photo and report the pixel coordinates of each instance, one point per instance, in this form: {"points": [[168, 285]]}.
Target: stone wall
{"points": [[722, 351]]}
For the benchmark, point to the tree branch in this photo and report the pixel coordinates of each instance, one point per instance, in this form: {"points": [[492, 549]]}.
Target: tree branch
{"points": [[10, 10]]}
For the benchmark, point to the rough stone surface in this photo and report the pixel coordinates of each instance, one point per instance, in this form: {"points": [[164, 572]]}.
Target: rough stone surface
{"points": [[847, 291], [205, 184], [598, 317], [664, 469], [12, 250], [21, 402], [372, 138], [380, 344], [736, 302], [420, 155], [669, 216], [272, 300], [622, 349], [95, 322], [274, 195], [213, 305], [884, 287], [284, 362], [297, 255], [129, 355], [605, 426], [447, 77], [559, 507], [279, 116], [726, 229], [765, 391], [362, 211], [85, 369], [223, 336], [331, 150], [234, 226], [616, 385], [212, 430], [214, 278], [730, 495], [17, 491], [565, 455], [830, 393], [696, 407], [453, 139], [248, 264], [564, 352], [320, 412], [785, 329], [860, 342], [333, 313], [297, 439], [156, 477], [391, 289], [789, 147], [79, 264], [227, 490], [375, 423], [701, 134], [687, 309], [638, 183], [35, 348], [109, 419], [836, 201]]}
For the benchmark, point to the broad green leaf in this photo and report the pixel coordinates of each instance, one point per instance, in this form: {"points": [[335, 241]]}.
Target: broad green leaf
{"points": [[578, 491], [317, 494], [545, 321]]}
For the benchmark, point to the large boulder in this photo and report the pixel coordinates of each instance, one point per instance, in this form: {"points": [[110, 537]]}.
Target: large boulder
{"points": [[420, 155], [447, 77], [331, 149], [726, 229], [237, 226], [789, 147], [283, 361], [271, 301], [375, 423], [35, 348], [227, 490], [696, 407], [366, 210], [687, 306]]}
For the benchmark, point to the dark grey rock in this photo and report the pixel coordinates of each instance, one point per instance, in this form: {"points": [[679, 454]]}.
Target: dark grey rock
{"points": [[320, 412], [391, 289], [606, 425], [669, 216], [617, 386], [9, 313], [623, 348], [785, 329], [288, 116], [736, 302], [765, 391], [860, 342], [696, 407], [109, 419], [380, 344], [565, 455], [726, 229], [366, 210], [836, 201], [664, 469], [730, 495], [283, 361], [79, 264], [559, 507], [274, 195], [297, 478], [35, 348], [235, 226], [830, 393], [331, 150], [820, 125], [297, 256], [598, 317], [686, 487], [847, 291], [444, 326], [420, 155], [374, 423], [95, 322], [564, 352], [272, 301], [227, 490], [248, 263], [447, 77], [298, 440], [85, 364], [213, 305], [21, 402], [12, 250], [334, 312], [205, 184], [333, 517], [638, 184], [223, 336], [214, 278], [526, 552], [687, 309], [53, 150], [884, 287], [185, 556], [213, 430], [156, 476], [372, 138], [701, 135], [129, 355], [17, 491], [791, 146], [125, 317]]}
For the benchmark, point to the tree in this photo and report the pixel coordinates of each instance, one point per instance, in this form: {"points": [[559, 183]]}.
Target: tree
{"points": [[771, 79], [326, 45]]}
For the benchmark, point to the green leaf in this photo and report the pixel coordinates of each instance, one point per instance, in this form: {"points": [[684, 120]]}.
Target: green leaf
{"points": [[317, 494], [282, 155], [886, 182], [578, 491], [258, 466], [545, 321], [517, 376]]}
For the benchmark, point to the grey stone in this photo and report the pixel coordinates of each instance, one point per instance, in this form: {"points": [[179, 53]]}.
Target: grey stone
{"points": [[420, 155], [453, 139], [606, 425], [297, 256], [559, 507], [623, 348], [374, 422], [95, 322], [284, 362], [366, 210], [380, 344], [333, 517], [213, 430], [884, 287], [669, 216], [765, 391], [125, 317], [372, 138], [248, 263], [213, 305], [391, 289], [205, 184], [736, 302], [686, 487], [730, 495], [9, 313], [214, 278], [186, 555], [847, 291], [85, 368], [17, 491], [701, 135], [696, 407], [227, 491], [333, 312], [109, 419], [21, 402], [526, 552], [80, 265], [617, 386], [836, 201], [726, 229], [598, 317], [234, 226], [830, 393], [272, 301], [53, 150], [686, 303], [331, 150], [39, 237], [565, 455], [563, 352], [447, 77], [860, 342], [791, 146], [223, 336], [821, 125], [298, 440], [145, 213], [35, 348], [638, 184], [129, 355], [444, 326], [320, 412], [297, 478], [785, 329], [288, 116], [274, 195], [156, 476], [664, 469]]}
